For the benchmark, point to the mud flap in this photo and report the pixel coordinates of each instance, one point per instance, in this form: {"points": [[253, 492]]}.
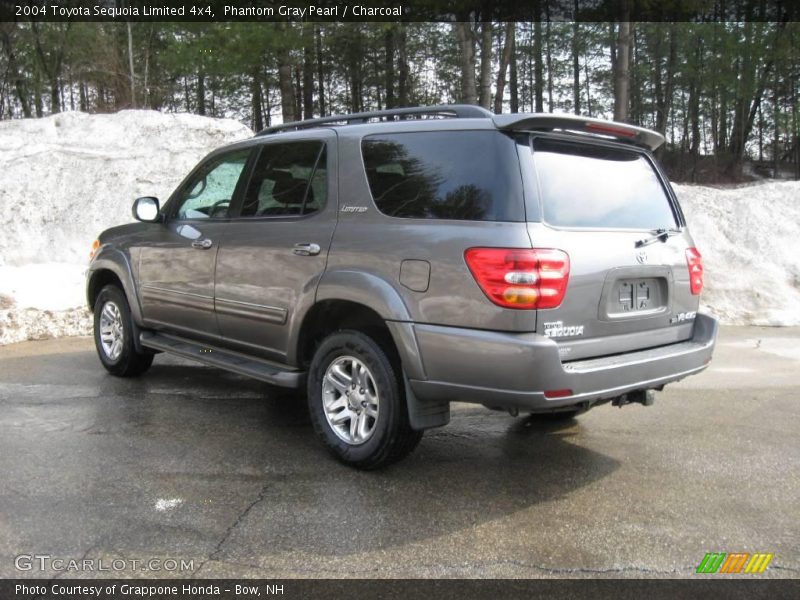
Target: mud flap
{"points": [[425, 415]]}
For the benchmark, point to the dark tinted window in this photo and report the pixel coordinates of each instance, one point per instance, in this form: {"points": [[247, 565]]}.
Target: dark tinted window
{"points": [[208, 195], [467, 175], [594, 186], [288, 179]]}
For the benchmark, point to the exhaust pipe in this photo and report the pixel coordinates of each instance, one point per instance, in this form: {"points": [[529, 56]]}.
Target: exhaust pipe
{"points": [[643, 397]]}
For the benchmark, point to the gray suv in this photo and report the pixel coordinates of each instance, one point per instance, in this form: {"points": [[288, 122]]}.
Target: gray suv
{"points": [[389, 263]]}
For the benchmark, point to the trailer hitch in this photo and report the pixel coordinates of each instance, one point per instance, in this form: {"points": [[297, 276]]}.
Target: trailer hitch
{"points": [[643, 397]]}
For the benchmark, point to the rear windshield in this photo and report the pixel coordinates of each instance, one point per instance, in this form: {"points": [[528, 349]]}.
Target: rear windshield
{"points": [[465, 175], [582, 185]]}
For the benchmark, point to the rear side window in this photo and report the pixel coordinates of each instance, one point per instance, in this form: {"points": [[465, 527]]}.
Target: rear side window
{"points": [[464, 175], [288, 179], [582, 185]]}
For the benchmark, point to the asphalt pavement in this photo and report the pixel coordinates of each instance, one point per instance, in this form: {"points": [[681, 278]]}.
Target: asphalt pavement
{"points": [[191, 464]]}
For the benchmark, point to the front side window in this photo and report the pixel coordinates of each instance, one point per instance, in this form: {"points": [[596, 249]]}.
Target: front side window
{"points": [[208, 195], [585, 185], [288, 179], [464, 175]]}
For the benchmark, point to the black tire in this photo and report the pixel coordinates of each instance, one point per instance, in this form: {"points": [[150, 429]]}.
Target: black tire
{"points": [[392, 437], [129, 362]]}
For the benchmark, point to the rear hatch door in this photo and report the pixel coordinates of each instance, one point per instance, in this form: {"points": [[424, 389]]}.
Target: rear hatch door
{"points": [[612, 212]]}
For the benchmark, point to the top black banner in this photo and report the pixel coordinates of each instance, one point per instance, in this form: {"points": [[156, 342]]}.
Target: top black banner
{"points": [[399, 10]]}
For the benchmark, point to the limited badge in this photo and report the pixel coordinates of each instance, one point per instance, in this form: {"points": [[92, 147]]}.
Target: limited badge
{"points": [[684, 316]]}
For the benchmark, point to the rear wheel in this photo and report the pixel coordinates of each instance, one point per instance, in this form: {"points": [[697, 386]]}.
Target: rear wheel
{"points": [[113, 335], [356, 402]]}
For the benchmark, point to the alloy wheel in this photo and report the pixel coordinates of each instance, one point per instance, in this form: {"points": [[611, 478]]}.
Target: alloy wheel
{"points": [[111, 330], [350, 400]]}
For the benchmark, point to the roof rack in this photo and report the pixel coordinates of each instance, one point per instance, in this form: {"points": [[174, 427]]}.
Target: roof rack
{"points": [[455, 111]]}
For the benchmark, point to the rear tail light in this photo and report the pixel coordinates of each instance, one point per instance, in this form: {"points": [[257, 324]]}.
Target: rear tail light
{"points": [[695, 263], [523, 278]]}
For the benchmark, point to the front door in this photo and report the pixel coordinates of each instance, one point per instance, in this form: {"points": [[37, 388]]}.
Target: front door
{"points": [[275, 247], [176, 264]]}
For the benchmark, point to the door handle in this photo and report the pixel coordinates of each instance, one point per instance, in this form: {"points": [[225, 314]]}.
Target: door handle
{"points": [[203, 244], [306, 249]]}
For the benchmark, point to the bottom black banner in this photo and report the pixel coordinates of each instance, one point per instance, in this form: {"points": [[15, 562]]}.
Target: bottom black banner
{"points": [[496, 589]]}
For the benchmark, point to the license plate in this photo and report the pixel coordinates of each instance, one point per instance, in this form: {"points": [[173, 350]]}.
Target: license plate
{"points": [[634, 295], [643, 293]]}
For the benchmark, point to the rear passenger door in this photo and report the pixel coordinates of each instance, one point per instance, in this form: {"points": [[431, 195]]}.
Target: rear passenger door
{"points": [[276, 245]]}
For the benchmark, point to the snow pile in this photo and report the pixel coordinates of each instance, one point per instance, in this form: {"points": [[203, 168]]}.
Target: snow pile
{"points": [[44, 300], [750, 241], [64, 179], [69, 176]]}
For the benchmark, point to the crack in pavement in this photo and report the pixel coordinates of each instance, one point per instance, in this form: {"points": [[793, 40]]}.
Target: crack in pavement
{"points": [[81, 561], [482, 564], [784, 568], [218, 548], [60, 573]]}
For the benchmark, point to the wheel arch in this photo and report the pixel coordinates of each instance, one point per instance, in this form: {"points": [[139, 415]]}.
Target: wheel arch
{"points": [[98, 279], [364, 288], [112, 268], [349, 298]]}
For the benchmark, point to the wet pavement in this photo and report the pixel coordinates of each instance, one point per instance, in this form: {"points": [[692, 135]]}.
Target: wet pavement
{"points": [[195, 464]]}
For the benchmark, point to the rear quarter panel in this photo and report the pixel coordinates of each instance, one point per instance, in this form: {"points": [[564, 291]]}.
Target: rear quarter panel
{"points": [[374, 243]]}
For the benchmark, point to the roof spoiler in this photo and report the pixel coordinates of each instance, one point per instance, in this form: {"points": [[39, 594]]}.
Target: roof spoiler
{"points": [[548, 122]]}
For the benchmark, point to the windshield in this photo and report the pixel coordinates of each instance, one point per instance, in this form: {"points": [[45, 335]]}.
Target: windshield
{"points": [[583, 185]]}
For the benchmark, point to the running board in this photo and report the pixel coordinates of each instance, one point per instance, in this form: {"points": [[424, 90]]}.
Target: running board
{"points": [[223, 359]]}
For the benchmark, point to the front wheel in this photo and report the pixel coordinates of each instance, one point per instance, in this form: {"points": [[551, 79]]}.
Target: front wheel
{"points": [[113, 335], [356, 402]]}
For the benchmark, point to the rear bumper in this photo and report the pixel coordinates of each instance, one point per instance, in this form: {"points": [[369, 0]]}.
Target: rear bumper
{"points": [[515, 370]]}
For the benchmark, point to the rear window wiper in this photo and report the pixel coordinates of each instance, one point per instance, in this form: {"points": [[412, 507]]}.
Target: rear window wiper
{"points": [[662, 234]]}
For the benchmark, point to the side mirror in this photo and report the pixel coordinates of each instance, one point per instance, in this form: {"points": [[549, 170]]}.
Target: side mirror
{"points": [[146, 209]]}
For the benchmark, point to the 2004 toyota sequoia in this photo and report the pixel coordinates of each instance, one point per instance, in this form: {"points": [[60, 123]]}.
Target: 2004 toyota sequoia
{"points": [[390, 263]]}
